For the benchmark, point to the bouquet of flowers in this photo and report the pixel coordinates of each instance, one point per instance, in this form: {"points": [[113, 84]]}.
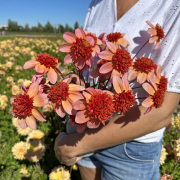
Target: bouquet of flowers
{"points": [[103, 92]]}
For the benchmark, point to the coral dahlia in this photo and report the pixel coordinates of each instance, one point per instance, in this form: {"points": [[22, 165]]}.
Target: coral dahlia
{"points": [[24, 106]]}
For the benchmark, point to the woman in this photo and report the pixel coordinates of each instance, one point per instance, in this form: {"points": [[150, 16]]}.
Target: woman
{"points": [[129, 146]]}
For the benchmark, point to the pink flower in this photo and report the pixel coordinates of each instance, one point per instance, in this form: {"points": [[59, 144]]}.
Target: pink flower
{"points": [[44, 63], [95, 108], [24, 106], [157, 34], [118, 61], [79, 48], [64, 95]]}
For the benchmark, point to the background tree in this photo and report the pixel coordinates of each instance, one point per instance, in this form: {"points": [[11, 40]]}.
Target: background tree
{"points": [[61, 29], [26, 28], [76, 25], [48, 27], [40, 27]]}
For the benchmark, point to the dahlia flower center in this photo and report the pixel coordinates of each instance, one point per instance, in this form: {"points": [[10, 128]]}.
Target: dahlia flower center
{"points": [[124, 101], [160, 32], [158, 98], [81, 48], [100, 63], [47, 60], [100, 106], [58, 92], [144, 65], [22, 106], [163, 83], [121, 60], [94, 37], [113, 37]]}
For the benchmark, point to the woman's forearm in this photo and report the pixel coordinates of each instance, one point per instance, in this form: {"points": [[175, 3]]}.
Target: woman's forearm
{"points": [[123, 128]]}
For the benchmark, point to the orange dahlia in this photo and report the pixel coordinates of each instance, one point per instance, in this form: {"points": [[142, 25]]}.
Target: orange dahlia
{"points": [[156, 32], [124, 98], [44, 63], [143, 69], [24, 106], [64, 95], [118, 39], [79, 48], [95, 108]]}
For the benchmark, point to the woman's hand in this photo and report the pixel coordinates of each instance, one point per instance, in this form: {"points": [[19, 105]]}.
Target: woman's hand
{"points": [[63, 152], [75, 79]]}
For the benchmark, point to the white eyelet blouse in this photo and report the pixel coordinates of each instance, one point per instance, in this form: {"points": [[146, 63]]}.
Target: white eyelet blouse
{"points": [[101, 17]]}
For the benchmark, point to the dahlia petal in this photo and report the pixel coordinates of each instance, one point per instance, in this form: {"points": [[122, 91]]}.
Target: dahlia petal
{"points": [[81, 117], [152, 31], [148, 88], [67, 106], [52, 75], [81, 128], [157, 44], [150, 24], [65, 48], [80, 33], [80, 105], [107, 55], [99, 42], [95, 73], [93, 124], [31, 122], [68, 58], [123, 42], [33, 89], [132, 75], [117, 84], [123, 34], [111, 46], [158, 71], [33, 79], [116, 73], [12, 98], [86, 95], [40, 100], [80, 63], [37, 114], [60, 111], [153, 39], [75, 96], [90, 61], [91, 90], [148, 110], [108, 92], [102, 36], [97, 49], [40, 68], [39, 74], [126, 86], [147, 102], [75, 87], [59, 72], [90, 40], [141, 78], [30, 64], [105, 68], [150, 76], [22, 123], [69, 37]]}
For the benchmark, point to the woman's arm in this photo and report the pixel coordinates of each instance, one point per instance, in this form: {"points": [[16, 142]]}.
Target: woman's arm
{"points": [[120, 129]]}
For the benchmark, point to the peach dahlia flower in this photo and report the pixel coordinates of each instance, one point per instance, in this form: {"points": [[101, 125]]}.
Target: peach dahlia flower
{"points": [[124, 98], [143, 69], [79, 48], [24, 106], [118, 61], [156, 32], [95, 108], [64, 95], [44, 63], [118, 39]]}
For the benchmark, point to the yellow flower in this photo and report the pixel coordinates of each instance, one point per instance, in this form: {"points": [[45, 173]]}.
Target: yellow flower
{"points": [[20, 81], [177, 121], [24, 171], [59, 173], [163, 155], [2, 73], [9, 64], [15, 90], [36, 135], [35, 151], [27, 82], [23, 132], [177, 150], [19, 150], [9, 79], [15, 121], [3, 98]]}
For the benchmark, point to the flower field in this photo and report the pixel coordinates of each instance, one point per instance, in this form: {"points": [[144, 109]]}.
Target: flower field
{"points": [[29, 154]]}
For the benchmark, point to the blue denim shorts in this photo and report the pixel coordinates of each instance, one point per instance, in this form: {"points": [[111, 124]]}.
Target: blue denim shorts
{"points": [[128, 161]]}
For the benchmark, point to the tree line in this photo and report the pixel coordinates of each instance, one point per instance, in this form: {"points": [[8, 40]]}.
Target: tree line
{"points": [[58, 28]]}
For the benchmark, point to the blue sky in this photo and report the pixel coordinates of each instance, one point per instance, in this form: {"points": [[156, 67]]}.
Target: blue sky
{"points": [[34, 11]]}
